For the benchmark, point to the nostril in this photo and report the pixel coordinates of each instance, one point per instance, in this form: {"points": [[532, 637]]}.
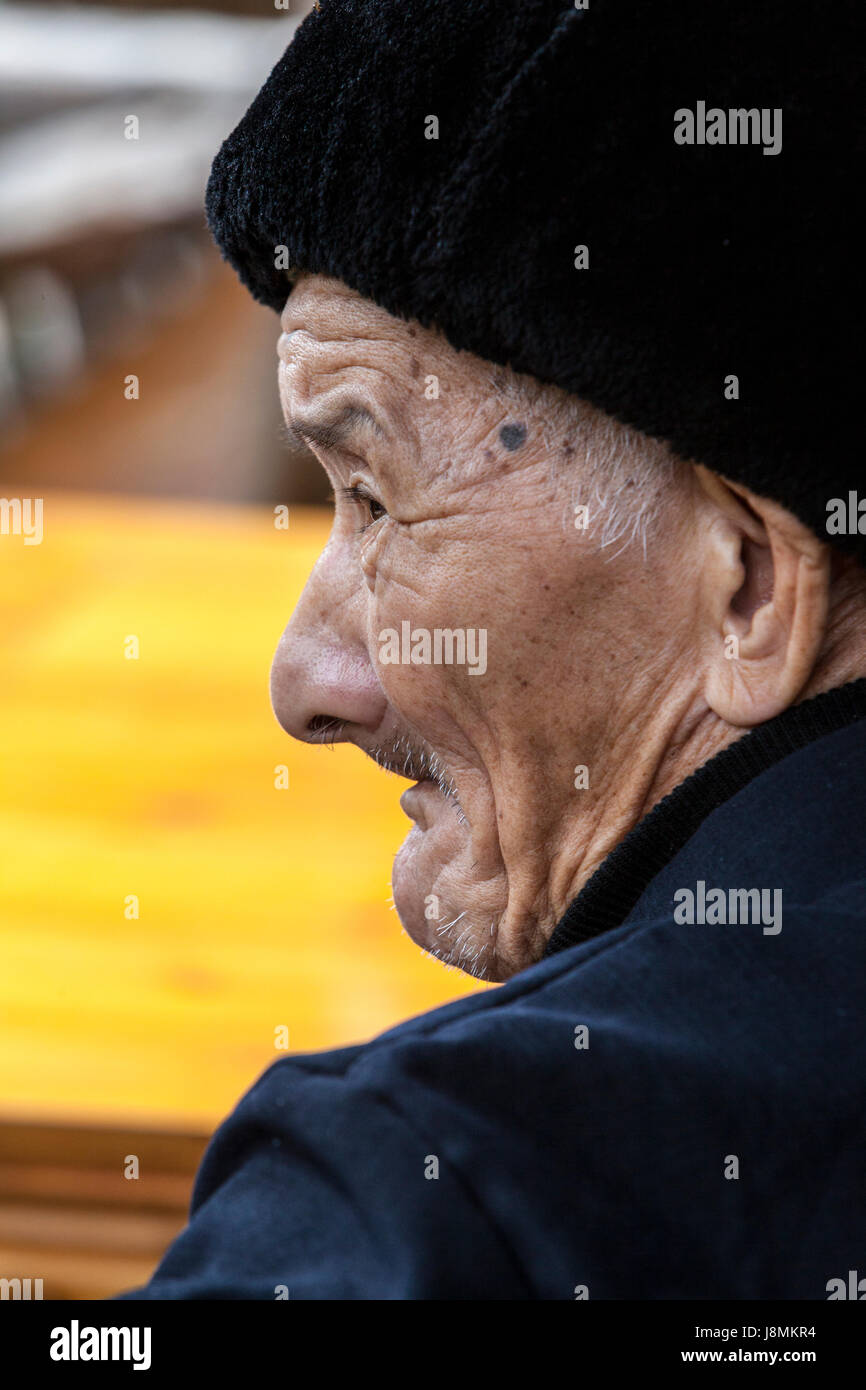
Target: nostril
{"points": [[323, 728], [323, 690]]}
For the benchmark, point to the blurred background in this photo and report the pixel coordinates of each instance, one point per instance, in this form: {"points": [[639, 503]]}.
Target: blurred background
{"points": [[183, 893]]}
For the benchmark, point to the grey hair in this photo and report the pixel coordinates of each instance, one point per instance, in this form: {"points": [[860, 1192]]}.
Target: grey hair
{"points": [[619, 474], [623, 482]]}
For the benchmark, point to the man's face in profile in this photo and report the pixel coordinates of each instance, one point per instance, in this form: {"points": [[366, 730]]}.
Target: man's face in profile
{"points": [[460, 626]]}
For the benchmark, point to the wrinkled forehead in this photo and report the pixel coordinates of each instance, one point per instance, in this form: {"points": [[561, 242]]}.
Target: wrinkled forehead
{"points": [[329, 311], [345, 364], [338, 349]]}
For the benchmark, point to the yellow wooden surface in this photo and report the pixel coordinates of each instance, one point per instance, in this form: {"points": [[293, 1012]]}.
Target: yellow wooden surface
{"points": [[155, 777]]}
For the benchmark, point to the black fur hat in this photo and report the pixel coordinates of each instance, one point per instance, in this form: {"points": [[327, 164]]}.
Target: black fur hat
{"points": [[648, 204]]}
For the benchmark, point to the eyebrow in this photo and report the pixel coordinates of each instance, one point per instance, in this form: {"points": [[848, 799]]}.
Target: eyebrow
{"points": [[330, 430]]}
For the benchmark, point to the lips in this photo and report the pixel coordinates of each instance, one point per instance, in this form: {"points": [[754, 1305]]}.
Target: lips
{"points": [[420, 802]]}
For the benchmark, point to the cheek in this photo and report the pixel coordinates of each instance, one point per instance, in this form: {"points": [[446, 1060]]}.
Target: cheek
{"points": [[519, 614], [425, 632]]}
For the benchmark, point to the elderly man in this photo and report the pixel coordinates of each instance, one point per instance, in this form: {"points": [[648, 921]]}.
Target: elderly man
{"points": [[563, 299]]}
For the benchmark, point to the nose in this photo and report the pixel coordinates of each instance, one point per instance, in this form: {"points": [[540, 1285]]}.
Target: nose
{"points": [[322, 670]]}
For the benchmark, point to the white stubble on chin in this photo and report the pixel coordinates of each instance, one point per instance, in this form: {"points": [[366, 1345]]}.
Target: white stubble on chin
{"points": [[433, 893]]}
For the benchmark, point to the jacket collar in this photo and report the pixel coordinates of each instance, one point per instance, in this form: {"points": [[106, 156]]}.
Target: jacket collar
{"points": [[608, 897]]}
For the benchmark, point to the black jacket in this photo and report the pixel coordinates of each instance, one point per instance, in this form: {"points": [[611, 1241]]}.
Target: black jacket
{"points": [[663, 1110]]}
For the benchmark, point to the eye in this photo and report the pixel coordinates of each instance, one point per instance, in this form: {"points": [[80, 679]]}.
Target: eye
{"points": [[373, 506]]}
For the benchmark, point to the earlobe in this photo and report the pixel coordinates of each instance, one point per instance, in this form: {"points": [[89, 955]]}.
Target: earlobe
{"points": [[769, 607]]}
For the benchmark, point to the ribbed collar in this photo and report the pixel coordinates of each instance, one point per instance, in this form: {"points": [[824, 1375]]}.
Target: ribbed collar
{"points": [[609, 895]]}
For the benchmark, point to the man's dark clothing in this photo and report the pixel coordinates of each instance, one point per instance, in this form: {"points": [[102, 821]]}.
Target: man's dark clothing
{"points": [[663, 1110]]}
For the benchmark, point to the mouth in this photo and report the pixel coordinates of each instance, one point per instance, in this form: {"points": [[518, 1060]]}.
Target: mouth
{"points": [[417, 763], [432, 786], [437, 859], [421, 802]]}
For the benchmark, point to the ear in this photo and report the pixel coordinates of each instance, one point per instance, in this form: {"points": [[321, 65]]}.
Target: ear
{"points": [[765, 602]]}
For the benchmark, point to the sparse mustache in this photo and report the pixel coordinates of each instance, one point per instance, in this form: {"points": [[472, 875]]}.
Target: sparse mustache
{"points": [[403, 755], [409, 758]]}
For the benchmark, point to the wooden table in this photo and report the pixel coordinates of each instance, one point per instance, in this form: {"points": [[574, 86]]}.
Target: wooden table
{"points": [[259, 908]]}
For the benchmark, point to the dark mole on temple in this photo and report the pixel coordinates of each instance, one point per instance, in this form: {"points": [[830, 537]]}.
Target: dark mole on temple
{"points": [[512, 436]]}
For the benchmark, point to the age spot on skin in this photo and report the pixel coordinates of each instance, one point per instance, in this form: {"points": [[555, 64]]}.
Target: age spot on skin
{"points": [[512, 436]]}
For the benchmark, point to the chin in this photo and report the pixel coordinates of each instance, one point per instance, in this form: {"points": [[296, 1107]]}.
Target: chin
{"points": [[449, 933], [410, 901]]}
